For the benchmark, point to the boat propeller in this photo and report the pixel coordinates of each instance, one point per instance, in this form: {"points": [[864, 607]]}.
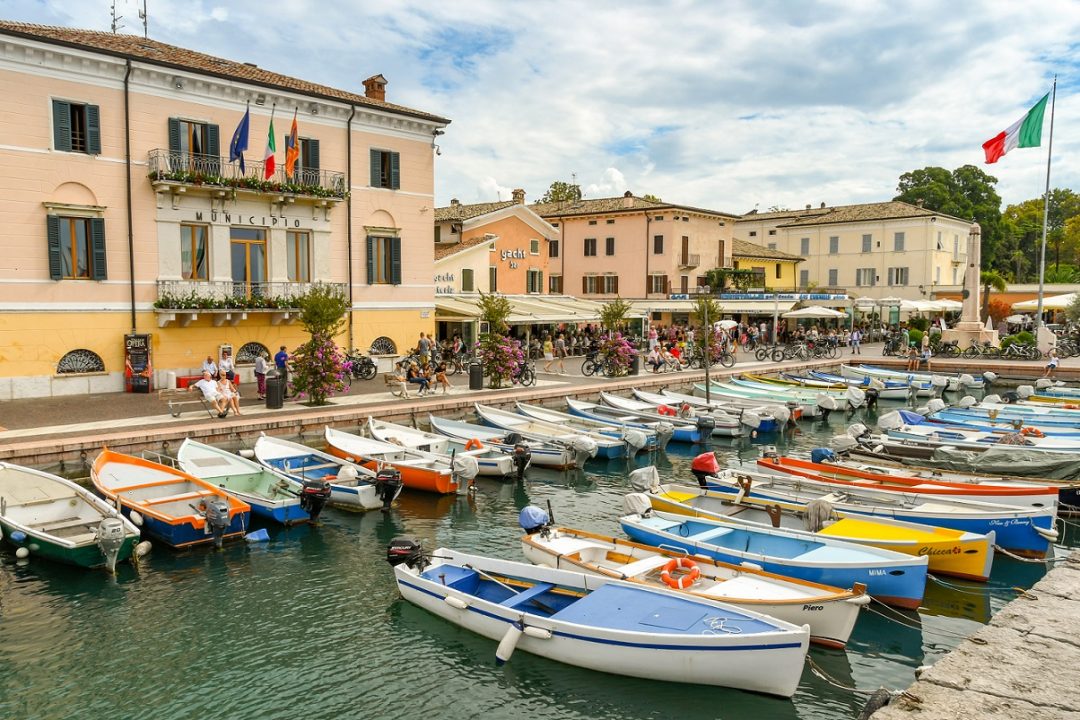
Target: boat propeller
{"points": [[217, 519], [110, 537]]}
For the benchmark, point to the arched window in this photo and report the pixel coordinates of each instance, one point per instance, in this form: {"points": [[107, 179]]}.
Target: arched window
{"points": [[80, 361], [247, 354], [383, 346]]}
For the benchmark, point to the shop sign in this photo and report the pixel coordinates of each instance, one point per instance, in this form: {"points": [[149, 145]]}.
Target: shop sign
{"points": [[512, 256], [444, 283]]}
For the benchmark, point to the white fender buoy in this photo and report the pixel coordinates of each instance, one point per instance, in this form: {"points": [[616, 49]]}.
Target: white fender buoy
{"points": [[455, 602], [536, 632], [22, 553], [507, 644], [246, 453], [135, 518], [143, 548]]}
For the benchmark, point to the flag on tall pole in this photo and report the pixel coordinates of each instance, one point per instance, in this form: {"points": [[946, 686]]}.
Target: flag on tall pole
{"points": [[1025, 132], [271, 148], [239, 142], [1039, 322], [292, 148]]}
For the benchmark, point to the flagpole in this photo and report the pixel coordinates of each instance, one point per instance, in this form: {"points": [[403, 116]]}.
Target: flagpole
{"points": [[1046, 211]]}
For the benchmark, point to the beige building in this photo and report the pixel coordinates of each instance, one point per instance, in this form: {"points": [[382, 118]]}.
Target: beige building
{"points": [[887, 249], [125, 215]]}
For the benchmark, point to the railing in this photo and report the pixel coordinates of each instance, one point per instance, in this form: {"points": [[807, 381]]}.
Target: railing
{"points": [[214, 171], [230, 295], [690, 260]]}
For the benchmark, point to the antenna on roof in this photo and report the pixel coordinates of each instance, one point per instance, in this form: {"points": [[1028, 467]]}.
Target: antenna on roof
{"points": [[145, 20], [116, 25]]}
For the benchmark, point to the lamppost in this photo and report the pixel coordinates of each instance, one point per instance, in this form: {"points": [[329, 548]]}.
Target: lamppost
{"points": [[708, 336]]}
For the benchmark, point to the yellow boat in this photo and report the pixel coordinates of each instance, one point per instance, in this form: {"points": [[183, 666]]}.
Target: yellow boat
{"points": [[950, 552]]}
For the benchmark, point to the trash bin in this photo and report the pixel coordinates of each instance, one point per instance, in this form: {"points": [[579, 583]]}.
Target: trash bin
{"points": [[635, 364], [476, 376], [275, 391]]}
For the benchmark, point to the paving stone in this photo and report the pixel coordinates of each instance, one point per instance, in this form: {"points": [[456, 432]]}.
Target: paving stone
{"points": [[940, 703]]}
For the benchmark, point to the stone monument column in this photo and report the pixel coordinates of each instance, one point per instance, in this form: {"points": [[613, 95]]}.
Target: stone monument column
{"points": [[970, 326]]}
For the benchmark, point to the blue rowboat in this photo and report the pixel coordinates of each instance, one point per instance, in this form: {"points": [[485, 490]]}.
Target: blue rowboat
{"points": [[597, 444], [968, 421], [543, 454], [763, 418], [889, 576], [636, 435]]}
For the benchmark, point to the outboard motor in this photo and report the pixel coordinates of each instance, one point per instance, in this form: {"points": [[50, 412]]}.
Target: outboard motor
{"points": [[406, 550], [635, 440], [935, 405], [872, 395], [890, 421], [705, 425], [464, 467], [522, 456], [387, 486], [1043, 383], [1011, 397], [966, 402], [938, 384], [664, 431], [513, 438], [217, 519], [843, 443], [827, 403], [703, 466], [991, 398], [989, 377], [913, 391], [855, 397], [110, 538], [964, 381], [858, 431], [646, 479], [781, 413], [314, 494], [534, 520], [637, 504], [751, 419], [822, 455], [1025, 391], [584, 448]]}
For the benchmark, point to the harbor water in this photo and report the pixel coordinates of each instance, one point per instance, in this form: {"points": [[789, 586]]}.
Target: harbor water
{"points": [[310, 624]]}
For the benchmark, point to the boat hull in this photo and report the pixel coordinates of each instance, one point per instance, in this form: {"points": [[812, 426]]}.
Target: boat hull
{"points": [[414, 478], [86, 555]]}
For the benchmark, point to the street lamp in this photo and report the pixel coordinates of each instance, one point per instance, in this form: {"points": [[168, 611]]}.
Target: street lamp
{"points": [[708, 332]]}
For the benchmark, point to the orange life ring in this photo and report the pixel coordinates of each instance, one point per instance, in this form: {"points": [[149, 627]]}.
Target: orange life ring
{"points": [[1033, 432], [474, 444], [684, 581]]}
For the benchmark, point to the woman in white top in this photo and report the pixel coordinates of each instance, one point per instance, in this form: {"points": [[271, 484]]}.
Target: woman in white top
{"points": [[230, 394]]}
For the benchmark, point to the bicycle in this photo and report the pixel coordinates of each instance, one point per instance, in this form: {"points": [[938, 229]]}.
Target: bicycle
{"points": [[362, 366], [525, 375], [590, 365]]}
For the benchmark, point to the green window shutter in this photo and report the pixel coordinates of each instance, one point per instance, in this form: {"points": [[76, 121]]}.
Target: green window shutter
{"points": [[52, 227], [540, 282], [97, 248], [311, 161], [438, 233], [395, 170], [395, 261], [370, 260], [213, 148], [376, 168], [467, 280], [61, 125], [93, 130], [174, 135]]}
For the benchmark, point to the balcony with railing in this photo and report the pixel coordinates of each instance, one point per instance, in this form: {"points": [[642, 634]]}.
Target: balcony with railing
{"points": [[182, 301], [689, 260], [184, 170]]}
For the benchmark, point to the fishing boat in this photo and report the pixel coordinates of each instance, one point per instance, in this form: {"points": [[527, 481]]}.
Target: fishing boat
{"points": [[636, 435], [830, 612], [352, 487], [722, 424], [568, 617], [889, 576], [811, 405], [543, 454], [49, 516], [271, 496], [959, 437], [851, 396], [491, 462], [953, 382], [957, 553], [763, 418], [175, 508], [886, 389], [419, 470], [594, 443], [666, 430]]}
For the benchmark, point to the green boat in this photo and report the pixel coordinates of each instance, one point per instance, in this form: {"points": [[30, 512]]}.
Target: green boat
{"points": [[47, 516]]}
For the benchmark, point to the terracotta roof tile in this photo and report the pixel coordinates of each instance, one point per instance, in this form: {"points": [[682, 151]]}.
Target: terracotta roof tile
{"points": [[605, 206], [447, 249], [159, 53], [889, 210], [466, 212], [742, 248]]}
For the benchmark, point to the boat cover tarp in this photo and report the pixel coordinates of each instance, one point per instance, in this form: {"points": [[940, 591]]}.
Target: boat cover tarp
{"points": [[1006, 460]]}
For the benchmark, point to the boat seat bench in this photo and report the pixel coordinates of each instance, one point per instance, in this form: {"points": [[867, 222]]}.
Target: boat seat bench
{"points": [[642, 566], [710, 534], [61, 524], [195, 495], [527, 595]]}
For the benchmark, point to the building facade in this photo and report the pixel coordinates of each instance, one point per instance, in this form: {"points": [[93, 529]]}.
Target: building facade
{"points": [[887, 249], [771, 268], [631, 247], [125, 214]]}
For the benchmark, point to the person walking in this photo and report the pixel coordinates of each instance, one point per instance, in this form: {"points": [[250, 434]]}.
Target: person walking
{"points": [[281, 363], [423, 349], [560, 353], [856, 341], [549, 353], [261, 366]]}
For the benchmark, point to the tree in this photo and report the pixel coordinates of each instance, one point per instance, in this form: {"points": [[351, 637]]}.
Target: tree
{"points": [[499, 354], [613, 314], [562, 192], [495, 311], [651, 198], [1062, 274], [741, 278], [990, 279], [323, 309], [1072, 310], [968, 193], [319, 366], [706, 310]]}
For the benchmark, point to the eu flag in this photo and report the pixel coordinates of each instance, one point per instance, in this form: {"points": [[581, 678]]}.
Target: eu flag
{"points": [[239, 141]]}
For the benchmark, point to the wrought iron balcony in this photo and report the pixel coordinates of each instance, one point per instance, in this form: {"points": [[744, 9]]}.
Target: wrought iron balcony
{"points": [[228, 301], [689, 260], [215, 172]]}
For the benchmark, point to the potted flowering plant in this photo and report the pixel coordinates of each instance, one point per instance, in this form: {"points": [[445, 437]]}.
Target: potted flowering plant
{"points": [[501, 357], [618, 354], [319, 370]]}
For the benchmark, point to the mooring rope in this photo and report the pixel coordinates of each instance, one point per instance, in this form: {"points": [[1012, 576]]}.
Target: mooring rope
{"points": [[820, 672], [901, 619], [1041, 561]]}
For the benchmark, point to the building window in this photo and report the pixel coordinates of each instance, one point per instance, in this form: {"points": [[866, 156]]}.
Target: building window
{"points": [[772, 246], [804, 278], [658, 218], [804, 247], [554, 224], [534, 247], [534, 281], [383, 260], [382, 346], [194, 146], [955, 247], [937, 275], [589, 284], [493, 278], [76, 247], [385, 169], [834, 279], [898, 242], [954, 276], [438, 233], [611, 222], [298, 251], [777, 270], [76, 127], [865, 277], [194, 252], [592, 222], [306, 171], [555, 284], [834, 245], [609, 246], [867, 240], [771, 232], [590, 247], [248, 254], [79, 362], [898, 276], [249, 351], [940, 244], [685, 219], [658, 244], [467, 280], [753, 233], [611, 284], [553, 249], [658, 284]]}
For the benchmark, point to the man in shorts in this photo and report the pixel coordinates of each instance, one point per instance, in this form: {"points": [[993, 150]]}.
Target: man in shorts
{"points": [[209, 389]]}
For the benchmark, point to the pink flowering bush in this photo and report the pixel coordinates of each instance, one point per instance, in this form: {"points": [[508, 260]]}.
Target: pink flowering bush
{"points": [[617, 353], [319, 369], [501, 357]]}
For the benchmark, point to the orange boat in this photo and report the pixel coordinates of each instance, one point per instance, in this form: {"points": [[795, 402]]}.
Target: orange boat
{"points": [[420, 470]]}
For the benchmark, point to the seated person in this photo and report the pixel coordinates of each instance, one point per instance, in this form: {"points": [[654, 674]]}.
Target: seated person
{"points": [[209, 388], [655, 359], [230, 393], [415, 376], [440, 377]]}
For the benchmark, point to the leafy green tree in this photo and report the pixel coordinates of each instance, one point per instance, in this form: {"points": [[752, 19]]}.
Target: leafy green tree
{"points": [[706, 311], [495, 311], [990, 279], [323, 309], [1072, 311], [562, 192], [651, 198], [613, 314], [319, 366], [1064, 273]]}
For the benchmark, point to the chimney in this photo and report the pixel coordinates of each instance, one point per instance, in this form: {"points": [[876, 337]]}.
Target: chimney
{"points": [[822, 206], [375, 88], [628, 199], [807, 206], [518, 195], [919, 202], [454, 202]]}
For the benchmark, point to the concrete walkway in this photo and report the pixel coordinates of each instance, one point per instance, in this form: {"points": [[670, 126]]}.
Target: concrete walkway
{"points": [[1023, 665]]}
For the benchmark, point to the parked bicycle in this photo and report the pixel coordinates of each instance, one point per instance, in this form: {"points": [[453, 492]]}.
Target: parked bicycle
{"points": [[525, 375], [362, 366]]}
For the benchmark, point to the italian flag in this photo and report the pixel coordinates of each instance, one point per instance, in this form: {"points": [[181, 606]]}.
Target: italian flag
{"points": [[1025, 132], [271, 148]]}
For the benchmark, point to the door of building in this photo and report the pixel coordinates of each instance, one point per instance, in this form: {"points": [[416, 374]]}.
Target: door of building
{"points": [[248, 248]]}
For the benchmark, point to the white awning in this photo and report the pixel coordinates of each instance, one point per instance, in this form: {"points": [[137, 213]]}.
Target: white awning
{"points": [[1056, 302], [527, 309], [814, 311], [727, 307]]}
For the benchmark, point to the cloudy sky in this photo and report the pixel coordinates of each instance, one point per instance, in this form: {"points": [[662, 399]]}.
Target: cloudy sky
{"points": [[728, 105]]}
